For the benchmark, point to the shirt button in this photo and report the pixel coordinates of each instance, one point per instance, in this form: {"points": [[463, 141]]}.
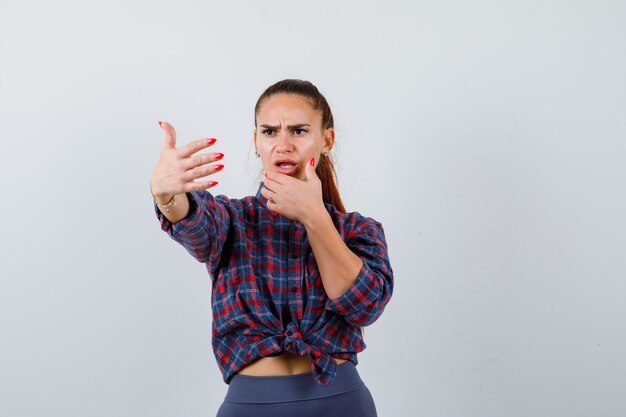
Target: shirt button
{"points": [[294, 289]]}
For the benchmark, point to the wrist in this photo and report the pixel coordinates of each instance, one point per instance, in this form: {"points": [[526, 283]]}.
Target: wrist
{"points": [[316, 217], [159, 197], [162, 198]]}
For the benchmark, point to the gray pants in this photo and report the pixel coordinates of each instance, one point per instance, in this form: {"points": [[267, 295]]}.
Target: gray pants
{"points": [[298, 395]]}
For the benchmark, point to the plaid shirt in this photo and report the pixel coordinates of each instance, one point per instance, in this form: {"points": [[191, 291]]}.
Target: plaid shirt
{"points": [[267, 293]]}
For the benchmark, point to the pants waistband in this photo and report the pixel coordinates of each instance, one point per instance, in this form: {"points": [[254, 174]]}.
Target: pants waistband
{"points": [[281, 388]]}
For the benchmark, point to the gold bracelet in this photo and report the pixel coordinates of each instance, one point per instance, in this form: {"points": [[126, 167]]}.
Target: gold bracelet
{"points": [[165, 206]]}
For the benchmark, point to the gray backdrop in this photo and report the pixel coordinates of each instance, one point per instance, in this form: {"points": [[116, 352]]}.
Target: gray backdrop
{"points": [[488, 137]]}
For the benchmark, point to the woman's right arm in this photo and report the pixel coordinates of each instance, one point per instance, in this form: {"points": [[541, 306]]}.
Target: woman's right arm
{"points": [[205, 228], [198, 220]]}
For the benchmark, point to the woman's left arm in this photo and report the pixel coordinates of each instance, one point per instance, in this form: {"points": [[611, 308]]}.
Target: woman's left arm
{"points": [[357, 275], [338, 265]]}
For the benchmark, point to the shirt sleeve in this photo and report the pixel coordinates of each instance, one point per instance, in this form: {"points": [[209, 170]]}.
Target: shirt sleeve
{"points": [[366, 299], [205, 228]]}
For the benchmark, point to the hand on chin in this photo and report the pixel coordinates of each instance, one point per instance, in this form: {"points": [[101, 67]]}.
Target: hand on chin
{"points": [[293, 197]]}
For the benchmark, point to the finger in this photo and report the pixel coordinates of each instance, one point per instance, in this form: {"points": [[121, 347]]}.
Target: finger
{"points": [[309, 169], [198, 160], [197, 186], [201, 171], [195, 146], [274, 185], [265, 187], [267, 193], [170, 135], [277, 178]]}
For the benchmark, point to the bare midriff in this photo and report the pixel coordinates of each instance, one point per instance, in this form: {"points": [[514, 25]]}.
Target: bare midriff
{"points": [[285, 364]]}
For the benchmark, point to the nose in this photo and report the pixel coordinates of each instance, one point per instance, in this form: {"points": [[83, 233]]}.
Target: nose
{"points": [[284, 141]]}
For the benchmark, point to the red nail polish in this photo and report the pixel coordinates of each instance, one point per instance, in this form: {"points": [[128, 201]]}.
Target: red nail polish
{"points": [[266, 175], [312, 161], [213, 183], [219, 155], [160, 124], [219, 167], [211, 141]]}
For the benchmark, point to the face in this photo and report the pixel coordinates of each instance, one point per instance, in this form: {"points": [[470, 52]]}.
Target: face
{"points": [[289, 134]]}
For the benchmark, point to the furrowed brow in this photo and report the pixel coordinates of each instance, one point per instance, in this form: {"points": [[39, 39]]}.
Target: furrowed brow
{"points": [[297, 126]]}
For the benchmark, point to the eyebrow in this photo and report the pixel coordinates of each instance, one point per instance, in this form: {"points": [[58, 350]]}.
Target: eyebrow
{"points": [[289, 127]]}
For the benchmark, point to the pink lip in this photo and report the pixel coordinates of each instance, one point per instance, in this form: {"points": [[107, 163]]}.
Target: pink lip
{"points": [[287, 171]]}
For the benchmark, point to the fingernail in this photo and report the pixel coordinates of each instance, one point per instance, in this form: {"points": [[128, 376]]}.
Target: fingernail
{"points": [[211, 141], [219, 155], [265, 174], [219, 167], [213, 183], [160, 124], [312, 161]]}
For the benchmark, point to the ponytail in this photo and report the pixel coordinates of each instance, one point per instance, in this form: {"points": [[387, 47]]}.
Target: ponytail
{"points": [[325, 170]]}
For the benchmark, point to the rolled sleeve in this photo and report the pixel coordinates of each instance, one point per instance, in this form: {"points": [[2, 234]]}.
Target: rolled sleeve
{"points": [[368, 295], [203, 231]]}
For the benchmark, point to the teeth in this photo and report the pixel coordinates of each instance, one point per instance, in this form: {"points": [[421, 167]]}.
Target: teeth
{"points": [[286, 165]]}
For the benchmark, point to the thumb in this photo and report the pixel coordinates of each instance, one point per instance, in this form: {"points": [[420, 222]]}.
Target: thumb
{"points": [[170, 135], [310, 169]]}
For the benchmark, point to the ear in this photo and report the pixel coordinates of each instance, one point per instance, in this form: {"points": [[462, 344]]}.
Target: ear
{"points": [[329, 139], [254, 138]]}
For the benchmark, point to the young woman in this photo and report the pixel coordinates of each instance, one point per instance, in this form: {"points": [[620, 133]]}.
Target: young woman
{"points": [[295, 277]]}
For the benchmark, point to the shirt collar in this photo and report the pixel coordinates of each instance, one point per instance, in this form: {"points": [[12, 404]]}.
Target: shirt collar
{"points": [[263, 200], [260, 196]]}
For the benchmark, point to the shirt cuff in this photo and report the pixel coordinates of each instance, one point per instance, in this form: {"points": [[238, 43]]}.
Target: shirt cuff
{"points": [[364, 301]]}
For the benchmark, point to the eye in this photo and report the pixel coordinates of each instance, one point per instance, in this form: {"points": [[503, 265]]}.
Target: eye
{"points": [[299, 130], [266, 130]]}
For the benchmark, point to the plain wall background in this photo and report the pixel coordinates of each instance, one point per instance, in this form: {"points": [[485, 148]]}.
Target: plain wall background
{"points": [[488, 137]]}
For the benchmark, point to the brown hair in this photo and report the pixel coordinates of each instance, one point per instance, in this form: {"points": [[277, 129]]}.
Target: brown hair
{"points": [[325, 169]]}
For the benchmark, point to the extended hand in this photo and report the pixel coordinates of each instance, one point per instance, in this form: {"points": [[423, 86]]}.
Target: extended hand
{"points": [[177, 168]]}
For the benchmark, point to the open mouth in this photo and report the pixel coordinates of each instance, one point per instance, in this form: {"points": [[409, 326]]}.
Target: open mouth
{"points": [[286, 166]]}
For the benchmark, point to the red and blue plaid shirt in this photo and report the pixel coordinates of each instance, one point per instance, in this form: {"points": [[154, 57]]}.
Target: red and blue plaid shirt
{"points": [[267, 294]]}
